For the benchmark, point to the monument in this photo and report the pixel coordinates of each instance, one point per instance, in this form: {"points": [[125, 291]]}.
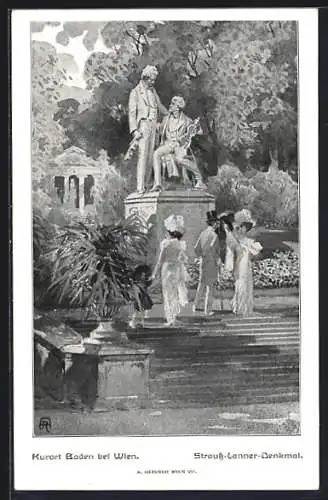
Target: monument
{"points": [[172, 159]]}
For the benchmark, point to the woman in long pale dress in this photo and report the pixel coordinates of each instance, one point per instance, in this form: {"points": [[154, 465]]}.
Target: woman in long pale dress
{"points": [[244, 249], [171, 262], [227, 242]]}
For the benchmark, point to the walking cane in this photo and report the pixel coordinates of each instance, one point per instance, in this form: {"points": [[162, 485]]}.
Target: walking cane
{"points": [[220, 297], [220, 289]]}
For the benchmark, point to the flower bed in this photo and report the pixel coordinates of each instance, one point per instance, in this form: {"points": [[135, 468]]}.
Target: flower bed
{"points": [[281, 271]]}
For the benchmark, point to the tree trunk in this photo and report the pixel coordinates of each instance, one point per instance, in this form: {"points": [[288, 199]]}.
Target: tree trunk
{"points": [[274, 164]]}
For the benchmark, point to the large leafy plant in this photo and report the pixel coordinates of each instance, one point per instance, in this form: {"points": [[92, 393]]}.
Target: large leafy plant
{"points": [[43, 232], [93, 265]]}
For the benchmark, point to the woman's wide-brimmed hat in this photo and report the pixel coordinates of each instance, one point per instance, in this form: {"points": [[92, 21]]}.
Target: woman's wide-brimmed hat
{"points": [[212, 216], [244, 216], [174, 223], [227, 213]]}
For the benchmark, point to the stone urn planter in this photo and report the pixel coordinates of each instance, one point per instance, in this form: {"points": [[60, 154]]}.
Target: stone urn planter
{"points": [[106, 330]]}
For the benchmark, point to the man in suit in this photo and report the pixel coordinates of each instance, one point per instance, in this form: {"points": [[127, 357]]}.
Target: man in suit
{"points": [[174, 146], [145, 108], [207, 249]]}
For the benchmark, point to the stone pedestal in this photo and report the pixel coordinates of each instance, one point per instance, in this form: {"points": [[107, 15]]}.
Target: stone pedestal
{"points": [[102, 375], [119, 374], [156, 207]]}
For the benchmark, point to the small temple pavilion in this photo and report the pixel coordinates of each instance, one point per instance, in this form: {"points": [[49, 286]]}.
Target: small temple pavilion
{"points": [[72, 175]]}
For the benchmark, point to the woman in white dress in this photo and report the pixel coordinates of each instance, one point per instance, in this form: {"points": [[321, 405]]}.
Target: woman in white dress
{"points": [[224, 232], [171, 262], [244, 249]]}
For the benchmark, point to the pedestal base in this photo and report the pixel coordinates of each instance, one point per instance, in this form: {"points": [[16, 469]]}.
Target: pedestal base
{"points": [[118, 375], [122, 381], [155, 207]]}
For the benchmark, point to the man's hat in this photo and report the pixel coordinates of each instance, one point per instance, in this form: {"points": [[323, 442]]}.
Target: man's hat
{"points": [[227, 218], [211, 216]]}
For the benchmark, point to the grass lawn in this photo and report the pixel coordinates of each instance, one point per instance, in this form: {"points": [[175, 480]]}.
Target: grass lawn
{"points": [[274, 240]]}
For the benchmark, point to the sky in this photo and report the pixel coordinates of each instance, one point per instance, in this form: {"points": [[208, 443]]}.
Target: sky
{"points": [[75, 48]]}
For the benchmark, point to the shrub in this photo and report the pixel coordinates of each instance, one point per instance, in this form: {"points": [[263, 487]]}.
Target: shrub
{"points": [[276, 201], [272, 196], [110, 193], [48, 204], [232, 190]]}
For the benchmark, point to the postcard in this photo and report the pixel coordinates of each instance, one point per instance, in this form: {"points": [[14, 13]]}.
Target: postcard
{"points": [[165, 249]]}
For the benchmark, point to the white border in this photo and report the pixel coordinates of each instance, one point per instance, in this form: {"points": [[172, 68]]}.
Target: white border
{"points": [[158, 452]]}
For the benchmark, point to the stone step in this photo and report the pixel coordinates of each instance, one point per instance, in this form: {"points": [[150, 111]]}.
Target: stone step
{"points": [[260, 327], [249, 380], [151, 329], [220, 375], [237, 379], [279, 341], [225, 389], [215, 329], [276, 342], [224, 319], [187, 320], [232, 357], [221, 397], [204, 358], [159, 402], [261, 332], [259, 324], [160, 333], [240, 380], [238, 347], [287, 343], [243, 344], [257, 363], [198, 366], [249, 326], [256, 367], [163, 371], [192, 337], [259, 318]]}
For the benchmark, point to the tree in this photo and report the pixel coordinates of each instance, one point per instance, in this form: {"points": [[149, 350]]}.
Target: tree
{"points": [[110, 192], [252, 78], [48, 136]]}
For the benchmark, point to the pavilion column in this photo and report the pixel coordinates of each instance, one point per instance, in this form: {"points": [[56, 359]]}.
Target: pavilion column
{"points": [[81, 193], [66, 185]]}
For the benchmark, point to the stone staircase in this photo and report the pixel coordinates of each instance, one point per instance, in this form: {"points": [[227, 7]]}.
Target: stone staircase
{"points": [[222, 360], [219, 360]]}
